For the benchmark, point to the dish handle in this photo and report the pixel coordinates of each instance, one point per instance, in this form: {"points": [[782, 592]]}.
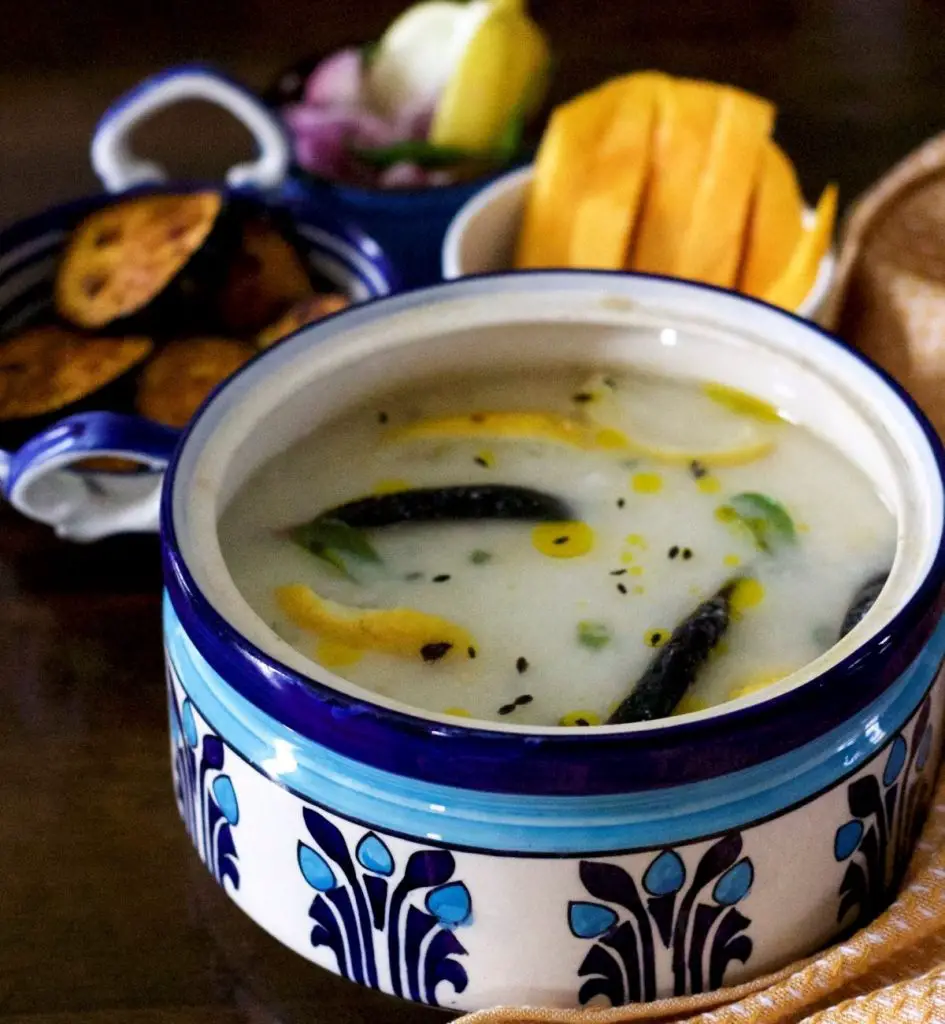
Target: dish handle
{"points": [[43, 481], [118, 167]]}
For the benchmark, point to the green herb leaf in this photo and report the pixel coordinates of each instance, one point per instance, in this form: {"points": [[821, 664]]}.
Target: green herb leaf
{"points": [[416, 151], [510, 141], [593, 635], [480, 557], [336, 543], [431, 156], [767, 519]]}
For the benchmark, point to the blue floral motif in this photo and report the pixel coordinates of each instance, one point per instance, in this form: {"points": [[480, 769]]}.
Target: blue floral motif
{"points": [[700, 927], [590, 920], [374, 855], [371, 919], [205, 795], [887, 815], [450, 904]]}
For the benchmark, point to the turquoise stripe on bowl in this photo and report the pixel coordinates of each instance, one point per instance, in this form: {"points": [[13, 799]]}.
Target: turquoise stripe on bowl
{"points": [[530, 825]]}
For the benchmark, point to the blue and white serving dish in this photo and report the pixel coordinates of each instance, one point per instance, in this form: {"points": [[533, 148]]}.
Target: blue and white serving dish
{"points": [[408, 223], [338, 252], [477, 864]]}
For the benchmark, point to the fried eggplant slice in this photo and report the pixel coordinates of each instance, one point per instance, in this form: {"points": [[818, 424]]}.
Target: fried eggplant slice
{"points": [[308, 311], [175, 383], [109, 464], [265, 277], [141, 261], [50, 368]]}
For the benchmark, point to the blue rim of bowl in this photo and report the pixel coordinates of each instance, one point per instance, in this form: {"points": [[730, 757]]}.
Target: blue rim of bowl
{"points": [[62, 218], [439, 195], [572, 762]]}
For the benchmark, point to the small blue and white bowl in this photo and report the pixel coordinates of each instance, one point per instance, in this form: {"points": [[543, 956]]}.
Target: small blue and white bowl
{"points": [[410, 223], [338, 252], [481, 864]]}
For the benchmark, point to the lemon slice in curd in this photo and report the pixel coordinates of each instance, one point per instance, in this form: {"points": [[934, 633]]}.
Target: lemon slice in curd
{"points": [[723, 427]]}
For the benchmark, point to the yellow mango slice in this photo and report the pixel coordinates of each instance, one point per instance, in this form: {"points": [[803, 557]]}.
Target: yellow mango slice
{"points": [[562, 164], [609, 202], [404, 632], [793, 286], [712, 245], [709, 141], [686, 115], [519, 426], [774, 222]]}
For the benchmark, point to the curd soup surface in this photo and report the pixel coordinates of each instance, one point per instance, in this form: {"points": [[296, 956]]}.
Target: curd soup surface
{"points": [[674, 490]]}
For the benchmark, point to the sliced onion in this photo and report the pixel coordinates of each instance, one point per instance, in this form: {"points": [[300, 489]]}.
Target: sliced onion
{"points": [[323, 152], [403, 175], [337, 80], [324, 136], [414, 122], [320, 138], [334, 121]]}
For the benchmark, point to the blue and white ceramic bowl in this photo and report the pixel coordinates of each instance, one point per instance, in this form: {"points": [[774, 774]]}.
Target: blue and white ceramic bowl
{"points": [[409, 224], [29, 252], [470, 865]]}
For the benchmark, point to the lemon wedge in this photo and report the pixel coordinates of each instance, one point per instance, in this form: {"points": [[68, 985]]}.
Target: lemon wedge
{"points": [[419, 53], [477, 65], [500, 74], [713, 432], [404, 632]]}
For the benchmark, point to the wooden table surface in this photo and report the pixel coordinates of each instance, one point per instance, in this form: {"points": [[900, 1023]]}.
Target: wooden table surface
{"points": [[106, 915]]}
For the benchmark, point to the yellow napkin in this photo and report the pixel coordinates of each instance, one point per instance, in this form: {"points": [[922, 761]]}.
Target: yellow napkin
{"points": [[889, 301]]}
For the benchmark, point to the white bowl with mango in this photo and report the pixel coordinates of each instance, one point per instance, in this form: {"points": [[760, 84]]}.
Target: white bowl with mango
{"points": [[657, 175]]}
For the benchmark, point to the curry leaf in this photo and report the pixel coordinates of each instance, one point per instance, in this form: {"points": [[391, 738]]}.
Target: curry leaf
{"points": [[416, 151], [335, 542], [767, 519]]}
